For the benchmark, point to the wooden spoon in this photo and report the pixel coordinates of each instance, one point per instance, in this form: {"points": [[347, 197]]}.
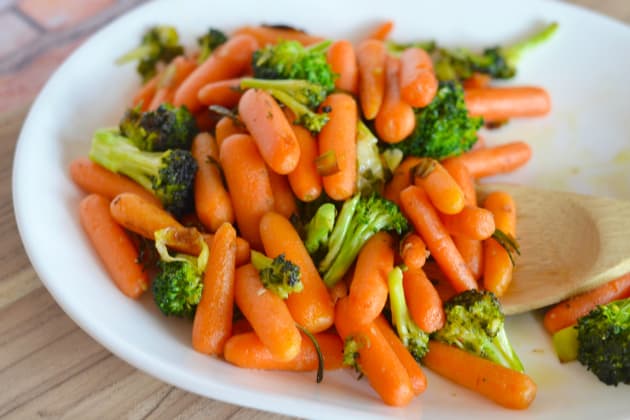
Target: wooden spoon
{"points": [[569, 243]]}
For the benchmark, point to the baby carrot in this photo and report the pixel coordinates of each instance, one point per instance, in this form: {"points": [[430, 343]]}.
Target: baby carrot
{"points": [[413, 251], [170, 79], [247, 178], [267, 313], [340, 136], [460, 173], [441, 283], [283, 198], [445, 194], [305, 181], [271, 35], [477, 80], [496, 160], [395, 119], [113, 246], [502, 103], [497, 264], [212, 202], [227, 61], [270, 129], [343, 61], [144, 95], [506, 387], [401, 179], [418, 84], [243, 251], [471, 251], [423, 300], [371, 57], [139, 215], [227, 126], [472, 222], [567, 312], [212, 325], [226, 93], [312, 308], [382, 31], [418, 208]]}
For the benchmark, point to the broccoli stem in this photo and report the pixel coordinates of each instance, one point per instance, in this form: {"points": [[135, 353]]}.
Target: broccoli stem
{"points": [[565, 343], [397, 301], [339, 232], [501, 351], [259, 260], [319, 228], [318, 48], [139, 53], [513, 52]]}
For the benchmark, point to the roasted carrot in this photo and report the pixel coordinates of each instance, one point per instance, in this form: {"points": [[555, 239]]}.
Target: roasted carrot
{"points": [[206, 120], [247, 178], [497, 264], [425, 305], [471, 251], [439, 281], [343, 61], [144, 95], [139, 215], [227, 126], [271, 130], [243, 250], [401, 179], [497, 160], [377, 359], [212, 201], [567, 312], [418, 208], [418, 84], [312, 308], [112, 244], [212, 325], [395, 119], [283, 198], [477, 80], [267, 313], [502, 103], [443, 191], [504, 386], [371, 57], [225, 93], [413, 251], [472, 222], [382, 31], [340, 136], [227, 61], [305, 181], [170, 79], [462, 176], [271, 35]]}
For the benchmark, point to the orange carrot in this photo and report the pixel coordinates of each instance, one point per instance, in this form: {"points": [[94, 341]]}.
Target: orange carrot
{"points": [[206, 120], [418, 380], [339, 290], [305, 181], [267, 313], [418, 84], [480, 143], [171, 78], [340, 136], [425, 305], [382, 31], [471, 251], [377, 359], [271, 35], [227, 61], [343, 61], [443, 191], [247, 178], [395, 119], [226, 127], [567, 312], [413, 251], [312, 308], [418, 208], [271, 130], [368, 290], [247, 351], [93, 178], [502, 103], [477, 80], [243, 250], [401, 179], [497, 265], [239, 326], [283, 198], [506, 387], [144, 95], [439, 281], [225, 93], [497, 160], [472, 222], [139, 215], [212, 202], [212, 325], [460, 173], [371, 57], [113, 246]]}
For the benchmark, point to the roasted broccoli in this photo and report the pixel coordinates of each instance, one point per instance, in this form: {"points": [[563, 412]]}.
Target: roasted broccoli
{"points": [[168, 127], [300, 96], [443, 128], [169, 175], [370, 168], [600, 341], [278, 275], [178, 285], [209, 42], [475, 323], [291, 60], [413, 337], [159, 44], [319, 228]]}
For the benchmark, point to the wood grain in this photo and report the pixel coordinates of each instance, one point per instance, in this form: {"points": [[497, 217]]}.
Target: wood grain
{"points": [[49, 368]]}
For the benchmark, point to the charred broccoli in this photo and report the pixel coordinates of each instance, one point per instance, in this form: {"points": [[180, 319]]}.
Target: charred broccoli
{"points": [[278, 274], [209, 42]]}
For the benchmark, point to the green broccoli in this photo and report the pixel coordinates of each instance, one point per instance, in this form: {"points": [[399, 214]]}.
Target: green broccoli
{"points": [[278, 275], [319, 228], [209, 42], [413, 337], [169, 175], [600, 341], [397, 48], [300, 96], [475, 323], [159, 44], [291, 60], [443, 128], [351, 347], [178, 285], [359, 219], [370, 168], [168, 127]]}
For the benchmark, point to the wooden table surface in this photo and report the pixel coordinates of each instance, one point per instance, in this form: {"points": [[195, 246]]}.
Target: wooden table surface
{"points": [[50, 368]]}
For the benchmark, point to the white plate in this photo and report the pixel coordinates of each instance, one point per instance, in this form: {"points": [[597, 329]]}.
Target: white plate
{"points": [[582, 145]]}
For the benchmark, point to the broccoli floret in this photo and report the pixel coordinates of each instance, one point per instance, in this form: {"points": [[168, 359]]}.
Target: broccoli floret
{"points": [[178, 285], [443, 128], [370, 169], [291, 60], [351, 346], [159, 44], [413, 337], [359, 219], [396, 48], [476, 323], [168, 127], [319, 228], [278, 275], [300, 96], [209, 42], [169, 175]]}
